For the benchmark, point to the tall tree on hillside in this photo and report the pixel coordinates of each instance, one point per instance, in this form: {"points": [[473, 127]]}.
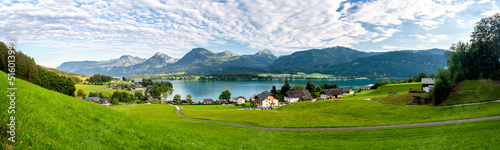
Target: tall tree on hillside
{"points": [[387, 81]]}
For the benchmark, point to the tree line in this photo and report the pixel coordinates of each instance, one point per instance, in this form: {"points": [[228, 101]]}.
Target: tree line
{"points": [[27, 69]]}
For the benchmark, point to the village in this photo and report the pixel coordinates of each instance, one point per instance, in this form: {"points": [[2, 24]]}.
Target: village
{"points": [[264, 100]]}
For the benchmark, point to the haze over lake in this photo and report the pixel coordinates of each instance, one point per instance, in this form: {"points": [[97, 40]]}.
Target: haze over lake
{"points": [[212, 89]]}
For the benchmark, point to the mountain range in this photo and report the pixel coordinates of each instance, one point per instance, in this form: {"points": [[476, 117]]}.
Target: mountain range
{"points": [[340, 61]]}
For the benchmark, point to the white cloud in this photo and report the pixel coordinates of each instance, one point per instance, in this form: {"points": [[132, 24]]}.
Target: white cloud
{"points": [[66, 53], [432, 38], [426, 13], [280, 25]]}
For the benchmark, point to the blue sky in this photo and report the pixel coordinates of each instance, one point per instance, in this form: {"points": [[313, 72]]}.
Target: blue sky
{"points": [[54, 32]]}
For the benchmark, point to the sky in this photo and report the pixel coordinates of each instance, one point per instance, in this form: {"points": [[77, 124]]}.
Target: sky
{"points": [[53, 32]]}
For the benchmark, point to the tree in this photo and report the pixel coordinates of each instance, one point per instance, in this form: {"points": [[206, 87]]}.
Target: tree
{"points": [[273, 90], [189, 98], [310, 87], [441, 87], [298, 87], [225, 95], [177, 98], [420, 76], [81, 93], [285, 87], [387, 81]]}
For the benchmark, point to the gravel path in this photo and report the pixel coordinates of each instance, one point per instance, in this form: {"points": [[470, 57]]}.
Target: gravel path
{"points": [[345, 128]]}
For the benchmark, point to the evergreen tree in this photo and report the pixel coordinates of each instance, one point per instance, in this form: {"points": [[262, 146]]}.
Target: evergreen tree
{"points": [[310, 87], [273, 90]]}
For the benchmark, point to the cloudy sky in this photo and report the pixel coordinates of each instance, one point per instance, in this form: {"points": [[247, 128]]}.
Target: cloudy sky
{"points": [[54, 31]]}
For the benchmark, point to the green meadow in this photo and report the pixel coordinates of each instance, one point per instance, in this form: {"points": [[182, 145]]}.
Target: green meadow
{"points": [[50, 120], [474, 91], [352, 111], [99, 88]]}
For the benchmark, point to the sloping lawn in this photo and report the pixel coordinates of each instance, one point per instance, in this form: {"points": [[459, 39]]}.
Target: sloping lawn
{"points": [[474, 91]]}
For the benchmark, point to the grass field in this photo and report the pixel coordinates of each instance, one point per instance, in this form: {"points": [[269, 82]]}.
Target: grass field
{"points": [[400, 99], [50, 120], [99, 88], [344, 113], [475, 91]]}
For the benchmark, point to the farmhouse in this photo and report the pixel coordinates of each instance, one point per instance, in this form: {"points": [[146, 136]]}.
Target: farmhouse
{"points": [[330, 93], [347, 90], [293, 96], [427, 84], [239, 100], [104, 102], [266, 99], [208, 101]]}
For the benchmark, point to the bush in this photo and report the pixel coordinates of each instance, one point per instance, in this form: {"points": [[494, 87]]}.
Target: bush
{"points": [[236, 104]]}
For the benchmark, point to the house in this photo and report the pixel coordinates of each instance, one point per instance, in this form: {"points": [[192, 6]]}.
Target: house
{"points": [[104, 102], [292, 96], [184, 102], [366, 87], [330, 93], [93, 99], [208, 101], [266, 99], [162, 100], [427, 84], [252, 98], [347, 90], [79, 97], [239, 100]]}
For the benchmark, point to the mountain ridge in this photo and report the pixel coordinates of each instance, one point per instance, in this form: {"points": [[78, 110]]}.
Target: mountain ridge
{"points": [[201, 61]]}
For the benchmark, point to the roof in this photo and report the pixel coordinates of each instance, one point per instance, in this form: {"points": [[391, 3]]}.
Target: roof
{"points": [[331, 92], [92, 98], [346, 89], [264, 95], [298, 93], [253, 96], [427, 80], [236, 98]]}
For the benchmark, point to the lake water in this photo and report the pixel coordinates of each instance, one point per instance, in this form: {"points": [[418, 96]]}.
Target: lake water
{"points": [[212, 89]]}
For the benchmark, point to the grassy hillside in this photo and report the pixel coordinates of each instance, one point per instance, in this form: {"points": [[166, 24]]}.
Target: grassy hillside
{"points": [[352, 111], [474, 91], [49, 120]]}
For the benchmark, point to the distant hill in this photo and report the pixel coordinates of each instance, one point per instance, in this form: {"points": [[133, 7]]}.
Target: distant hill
{"points": [[339, 61], [332, 55], [93, 67], [393, 64], [434, 51]]}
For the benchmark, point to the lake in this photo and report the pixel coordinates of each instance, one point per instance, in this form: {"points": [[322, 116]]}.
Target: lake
{"points": [[212, 89]]}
